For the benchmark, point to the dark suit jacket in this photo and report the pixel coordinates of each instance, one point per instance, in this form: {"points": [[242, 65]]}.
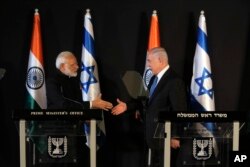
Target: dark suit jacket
{"points": [[169, 96], [64, 92]]}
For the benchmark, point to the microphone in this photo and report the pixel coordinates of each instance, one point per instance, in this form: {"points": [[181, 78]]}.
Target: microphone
{"points": [[74, 101], [71, 100], [2, 72]]}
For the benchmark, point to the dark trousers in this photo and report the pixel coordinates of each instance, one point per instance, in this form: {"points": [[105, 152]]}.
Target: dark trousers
{"points": [[157, 158]]}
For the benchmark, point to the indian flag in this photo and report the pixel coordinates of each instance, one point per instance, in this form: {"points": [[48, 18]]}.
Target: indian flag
{"points": [[153, 41], [35, 81]]}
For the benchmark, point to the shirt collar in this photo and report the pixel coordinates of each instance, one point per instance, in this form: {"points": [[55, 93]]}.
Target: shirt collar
{"points": [[161, 73]]}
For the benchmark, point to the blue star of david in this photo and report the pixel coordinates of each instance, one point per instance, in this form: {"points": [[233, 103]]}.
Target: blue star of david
{"points": [[200, 81], [90, 71]]}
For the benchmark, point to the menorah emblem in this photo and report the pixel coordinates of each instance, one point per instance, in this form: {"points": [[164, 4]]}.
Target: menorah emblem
{"points": [[57, 146], [202, 148]]}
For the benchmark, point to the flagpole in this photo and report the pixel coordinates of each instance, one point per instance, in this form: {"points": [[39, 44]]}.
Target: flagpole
{"points": [[36, 93], [236, 130], [90, 83], [153, 41], [92, 143], [167, 145], [22, 142]]}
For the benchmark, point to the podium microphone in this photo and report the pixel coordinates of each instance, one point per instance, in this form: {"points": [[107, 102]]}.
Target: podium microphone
{"points": [[2, 72]]}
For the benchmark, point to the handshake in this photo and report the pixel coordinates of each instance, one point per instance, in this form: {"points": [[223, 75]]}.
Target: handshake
{"points": [[98, 103]]}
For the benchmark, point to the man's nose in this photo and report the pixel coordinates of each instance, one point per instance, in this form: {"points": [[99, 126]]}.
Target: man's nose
{"points": [[76, 66]]}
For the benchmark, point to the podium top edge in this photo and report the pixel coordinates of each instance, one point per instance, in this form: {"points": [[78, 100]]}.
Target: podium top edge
{"points": [[56, 114], [211, 116]]}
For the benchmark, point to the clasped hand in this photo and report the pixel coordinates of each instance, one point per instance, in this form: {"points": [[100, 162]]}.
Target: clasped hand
{"points": [[101, 104], [120, 108]]}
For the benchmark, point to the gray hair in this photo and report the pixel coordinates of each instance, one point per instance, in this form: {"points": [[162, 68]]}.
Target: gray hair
{"points": [[62, 57], [160, 52]]}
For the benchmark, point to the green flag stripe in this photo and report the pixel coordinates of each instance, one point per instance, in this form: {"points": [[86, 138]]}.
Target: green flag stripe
{"points": [[31, 103]]}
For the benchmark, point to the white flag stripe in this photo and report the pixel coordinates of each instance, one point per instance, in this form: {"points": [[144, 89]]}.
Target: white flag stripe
{"points": [[91, 95], [33, 61], [201, 56], [88, 25], [88, 59], [37, 94], [202, 24]]}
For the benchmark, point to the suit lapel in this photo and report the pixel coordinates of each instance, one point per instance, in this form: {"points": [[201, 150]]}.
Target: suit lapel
{"points": [[159, 86]]}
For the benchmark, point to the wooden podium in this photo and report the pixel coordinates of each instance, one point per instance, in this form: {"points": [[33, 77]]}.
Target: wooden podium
{"points": [[23, 116]]}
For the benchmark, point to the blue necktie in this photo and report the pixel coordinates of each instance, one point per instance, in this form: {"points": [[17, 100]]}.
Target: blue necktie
{"points": [[153, 86]]}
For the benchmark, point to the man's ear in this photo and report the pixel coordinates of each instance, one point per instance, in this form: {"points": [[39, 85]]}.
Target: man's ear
{"points": [[160, 59], [62, 67]]}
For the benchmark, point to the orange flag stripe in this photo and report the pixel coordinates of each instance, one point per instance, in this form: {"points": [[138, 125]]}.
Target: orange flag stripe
{"points": [[154, 36], [36, 44]]}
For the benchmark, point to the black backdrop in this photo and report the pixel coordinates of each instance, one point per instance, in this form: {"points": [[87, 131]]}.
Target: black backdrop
{"points": [[121, 34]]}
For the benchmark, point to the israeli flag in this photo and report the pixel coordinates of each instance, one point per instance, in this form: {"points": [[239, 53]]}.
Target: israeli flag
{"points": [[202, 92], [89, 76], [89, 71]]}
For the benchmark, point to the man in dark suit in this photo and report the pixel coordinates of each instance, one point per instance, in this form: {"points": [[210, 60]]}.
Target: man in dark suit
{"points": [[63, 89], [64, 92], [167, 94]]}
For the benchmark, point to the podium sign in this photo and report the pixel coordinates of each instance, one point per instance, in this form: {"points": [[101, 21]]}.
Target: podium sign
{"points": [[201, 143], [49, 137]]}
